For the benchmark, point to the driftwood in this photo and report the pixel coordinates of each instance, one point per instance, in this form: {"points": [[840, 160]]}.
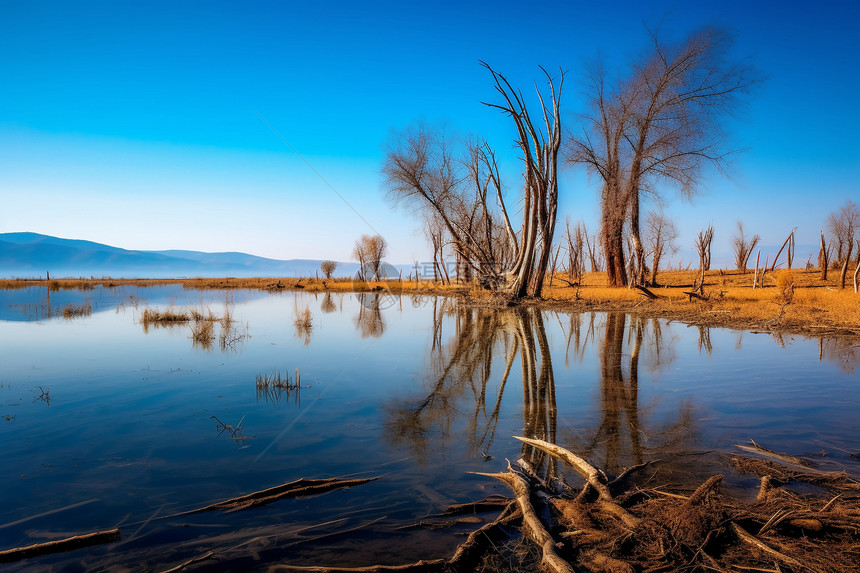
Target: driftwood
{"points": [[646, 292], [536, 530], [693, 294], [594, 478], [486, 504], [432, 566], [182, 566], [749, 539], [757, 449], [60, 545], [297, 488]]}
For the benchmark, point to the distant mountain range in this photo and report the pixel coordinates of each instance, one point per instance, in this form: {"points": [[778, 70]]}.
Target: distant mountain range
{"points": [[30, 255]]}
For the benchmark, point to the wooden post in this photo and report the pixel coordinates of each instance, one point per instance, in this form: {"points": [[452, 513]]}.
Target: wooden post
{"points": [[822, 258], [845, 264], [755, 276]]}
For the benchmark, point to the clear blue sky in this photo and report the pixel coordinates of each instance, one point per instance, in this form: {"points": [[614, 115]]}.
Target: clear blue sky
{"points": [[138, 124]]}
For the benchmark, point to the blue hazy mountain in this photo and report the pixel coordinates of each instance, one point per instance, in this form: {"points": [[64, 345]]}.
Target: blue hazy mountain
{"points": [[28, 255]]}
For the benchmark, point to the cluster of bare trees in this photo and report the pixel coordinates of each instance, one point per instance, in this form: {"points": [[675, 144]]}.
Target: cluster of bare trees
{"points": [[843, 225], [369, 250], [458, 189], [662, 122]]}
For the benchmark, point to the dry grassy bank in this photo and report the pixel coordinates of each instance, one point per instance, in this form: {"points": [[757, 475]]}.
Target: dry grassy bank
{"points": [[801, 302]]}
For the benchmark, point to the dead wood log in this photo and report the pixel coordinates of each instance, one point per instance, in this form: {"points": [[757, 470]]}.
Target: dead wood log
{"points": [[536, 530], [431, 566], [692, 295], [702, 492], [60, 545], [487, 504], [297, 488], [440, 524], [602, 563], [594, 478], [469, 552], [757, 449], [751, 540], [646, 292], [182, 566]]}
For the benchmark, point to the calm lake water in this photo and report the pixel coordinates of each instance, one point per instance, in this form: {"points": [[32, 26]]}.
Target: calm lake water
{"points": [[107, 423]]}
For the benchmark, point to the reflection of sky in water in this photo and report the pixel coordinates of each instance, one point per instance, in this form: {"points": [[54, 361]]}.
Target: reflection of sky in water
{"points": [[129, 421]]}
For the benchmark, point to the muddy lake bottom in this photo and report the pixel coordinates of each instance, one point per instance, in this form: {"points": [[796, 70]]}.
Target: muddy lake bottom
{"points": [[108, 421]]}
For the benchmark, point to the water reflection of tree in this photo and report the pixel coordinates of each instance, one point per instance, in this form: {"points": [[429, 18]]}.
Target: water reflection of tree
{"points": [[843, 351], [621, 432], [327, 305], [463, 369], [369, 318]]}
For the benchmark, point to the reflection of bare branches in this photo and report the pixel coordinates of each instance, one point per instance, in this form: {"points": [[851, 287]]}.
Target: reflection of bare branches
{"points": [[235, 432], [621, 426], [464, 363], [369, 319], [44, 395], [704, 339], [843, 351], [231, 334], [574, 334], [661, 353], [464, 366]]}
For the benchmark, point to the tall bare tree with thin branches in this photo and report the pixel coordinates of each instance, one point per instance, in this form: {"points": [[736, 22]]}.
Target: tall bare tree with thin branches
{"points": [[664, 123], [465, 192], [659, 237]]}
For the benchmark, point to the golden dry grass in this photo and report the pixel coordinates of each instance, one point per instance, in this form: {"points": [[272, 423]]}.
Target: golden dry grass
{"points": [[77, 310], [730, 299], [814, 304]]}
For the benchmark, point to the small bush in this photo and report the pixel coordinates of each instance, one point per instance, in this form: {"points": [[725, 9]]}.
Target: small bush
{"points": [[785, 281]]}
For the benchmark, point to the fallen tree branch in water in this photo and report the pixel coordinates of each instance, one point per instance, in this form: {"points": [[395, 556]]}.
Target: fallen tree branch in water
{"points": [[585, 469], [298, 488], [537, 532], [60, 545], [757, 449], [432, 566], [182, 566]]}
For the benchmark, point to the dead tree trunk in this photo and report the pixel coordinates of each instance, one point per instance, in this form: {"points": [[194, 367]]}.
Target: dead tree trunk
{"points": [[822, 258]]}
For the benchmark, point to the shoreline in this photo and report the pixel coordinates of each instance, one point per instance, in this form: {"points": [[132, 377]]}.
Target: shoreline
{"points": [[811, 307]]}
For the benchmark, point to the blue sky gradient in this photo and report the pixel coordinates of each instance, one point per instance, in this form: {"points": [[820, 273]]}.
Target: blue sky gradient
{"points": [[139, 124]]}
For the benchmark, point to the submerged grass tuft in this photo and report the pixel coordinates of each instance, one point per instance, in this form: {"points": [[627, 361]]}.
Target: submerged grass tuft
{"points": [[77, 310]]}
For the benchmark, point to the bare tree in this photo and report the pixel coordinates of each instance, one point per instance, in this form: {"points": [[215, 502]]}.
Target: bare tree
{"points": [[327, 268], [703, 248], [743, 247], [663, 123], [660, 238], [575, 250], [423, 171], [843, 224], [845, 265], [540, 158], [823, 257], [369, 250]]}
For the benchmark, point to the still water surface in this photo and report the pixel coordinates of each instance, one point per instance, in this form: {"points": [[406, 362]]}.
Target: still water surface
{"points": [[107, 423]]}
